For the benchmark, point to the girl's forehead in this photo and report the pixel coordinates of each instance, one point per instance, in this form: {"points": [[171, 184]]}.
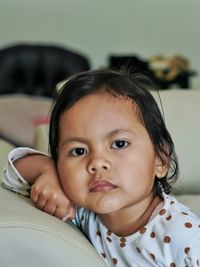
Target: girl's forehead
{"points": [[104, 105], [104, 97]]}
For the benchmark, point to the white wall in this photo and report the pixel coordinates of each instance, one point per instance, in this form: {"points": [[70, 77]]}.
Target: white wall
{"points": [[101, 27]]}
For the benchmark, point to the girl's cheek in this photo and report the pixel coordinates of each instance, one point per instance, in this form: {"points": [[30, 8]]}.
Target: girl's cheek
{"points": [[65, 183]]}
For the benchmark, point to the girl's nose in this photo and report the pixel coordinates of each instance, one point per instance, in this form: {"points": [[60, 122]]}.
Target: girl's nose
{"points": [[98, 164]]}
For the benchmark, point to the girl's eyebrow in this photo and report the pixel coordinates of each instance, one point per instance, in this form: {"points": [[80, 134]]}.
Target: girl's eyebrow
{"points": [[74, 139], [120, 131], [80, 139]]}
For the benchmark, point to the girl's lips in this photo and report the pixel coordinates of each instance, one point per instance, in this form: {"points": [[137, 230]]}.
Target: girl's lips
{"points": [[101, 186]]}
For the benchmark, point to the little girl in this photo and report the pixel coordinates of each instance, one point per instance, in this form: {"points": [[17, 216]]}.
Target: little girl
{"points": [[111, 169]]}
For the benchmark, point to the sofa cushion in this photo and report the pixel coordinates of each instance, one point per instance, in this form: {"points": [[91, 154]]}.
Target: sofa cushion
{"points": [[5, 148], [19, 115], [30, 237]]}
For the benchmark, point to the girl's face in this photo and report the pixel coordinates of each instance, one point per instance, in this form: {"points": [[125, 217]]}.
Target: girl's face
{"points": [[106, 160]]}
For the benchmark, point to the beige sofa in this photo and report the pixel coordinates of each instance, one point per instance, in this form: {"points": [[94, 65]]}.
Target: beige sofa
{"points": [[32, 238], [29, 237]]}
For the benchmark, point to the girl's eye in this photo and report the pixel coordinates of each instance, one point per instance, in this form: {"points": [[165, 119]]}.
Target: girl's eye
{"points": [[120, 144], [77, 152]]}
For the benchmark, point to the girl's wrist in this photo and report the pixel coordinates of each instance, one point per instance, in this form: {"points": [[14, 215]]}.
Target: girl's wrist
{"points": [[32, 166]]}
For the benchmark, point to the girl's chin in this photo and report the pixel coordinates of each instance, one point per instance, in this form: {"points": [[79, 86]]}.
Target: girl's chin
{"points": [[104, 208], [102, 203]]}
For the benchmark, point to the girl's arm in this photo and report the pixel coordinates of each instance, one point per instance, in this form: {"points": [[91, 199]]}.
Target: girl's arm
{"points": [[32, 166], [31, 171]]}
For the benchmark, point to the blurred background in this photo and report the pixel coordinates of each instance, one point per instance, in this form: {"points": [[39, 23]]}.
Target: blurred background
{"points": [[99, 29], [44, 41]]}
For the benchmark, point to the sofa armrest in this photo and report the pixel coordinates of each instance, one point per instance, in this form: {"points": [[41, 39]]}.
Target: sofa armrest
{"points": [[30, 237], [5, 148]]}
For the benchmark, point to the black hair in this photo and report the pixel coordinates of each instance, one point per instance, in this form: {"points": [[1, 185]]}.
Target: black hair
{"points": [[134, 86]]}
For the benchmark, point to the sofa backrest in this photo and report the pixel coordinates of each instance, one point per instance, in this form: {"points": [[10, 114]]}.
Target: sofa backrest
{"points": [[182, 117]]}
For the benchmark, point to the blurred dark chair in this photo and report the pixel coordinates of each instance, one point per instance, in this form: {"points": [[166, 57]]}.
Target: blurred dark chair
{"points": [[34, 69]]}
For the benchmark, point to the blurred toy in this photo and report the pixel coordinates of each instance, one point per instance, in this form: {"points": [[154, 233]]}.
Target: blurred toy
{"points": [[165, 71], [170, 70]]}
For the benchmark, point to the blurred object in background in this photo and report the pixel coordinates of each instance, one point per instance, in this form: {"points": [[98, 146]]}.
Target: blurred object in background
{"points": [[35, 69], [165, 71], [169, 71]]}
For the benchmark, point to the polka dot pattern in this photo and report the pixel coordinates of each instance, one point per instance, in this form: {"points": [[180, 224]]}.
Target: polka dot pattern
{"points": [[138, 250], [114, 260], [152, 235], [168, 218], [188, 225], [109, 239], [186, 250], [152, 256], [122, 242], [162, 212], [98, 233], [143, 230], [167, 239], [109, 232], [103, 255]]}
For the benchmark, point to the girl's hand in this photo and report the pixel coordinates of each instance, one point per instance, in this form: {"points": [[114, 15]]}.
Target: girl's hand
{"points": [[48, 195]]}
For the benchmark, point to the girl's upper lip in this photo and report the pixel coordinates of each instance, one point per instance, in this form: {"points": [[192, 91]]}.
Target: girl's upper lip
{"points": [[101, 185]]}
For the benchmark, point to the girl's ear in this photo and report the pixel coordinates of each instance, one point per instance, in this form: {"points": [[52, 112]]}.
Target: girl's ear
{"points": [[161, 167]]}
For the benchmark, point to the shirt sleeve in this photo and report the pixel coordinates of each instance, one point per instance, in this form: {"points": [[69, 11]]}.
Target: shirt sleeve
{"points": [[12, 179]]}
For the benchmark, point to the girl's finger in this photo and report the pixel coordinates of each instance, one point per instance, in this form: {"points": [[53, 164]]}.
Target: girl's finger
{"points": [[41, 202], [49, 208], [70, 214], [61, 212]]}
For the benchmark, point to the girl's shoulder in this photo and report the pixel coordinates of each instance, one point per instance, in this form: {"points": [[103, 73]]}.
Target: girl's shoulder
{"points": [[175, 231], [179, 222], [179, 211]]}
